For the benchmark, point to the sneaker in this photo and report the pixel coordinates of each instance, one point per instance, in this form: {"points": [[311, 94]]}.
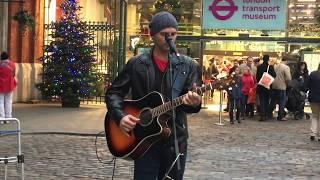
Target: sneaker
{"points": [[282, 119], [231, 122], [312, 138]]}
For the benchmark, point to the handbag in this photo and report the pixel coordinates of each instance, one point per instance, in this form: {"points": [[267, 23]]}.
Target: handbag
{"points": [[252, 96], [266, 79]]}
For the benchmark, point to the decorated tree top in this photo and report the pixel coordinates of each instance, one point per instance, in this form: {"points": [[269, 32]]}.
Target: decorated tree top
{"points": [[167, 5], [172, 6]]}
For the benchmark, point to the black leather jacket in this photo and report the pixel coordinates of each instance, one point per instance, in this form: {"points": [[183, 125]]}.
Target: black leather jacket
{"points": [[138, 77]]}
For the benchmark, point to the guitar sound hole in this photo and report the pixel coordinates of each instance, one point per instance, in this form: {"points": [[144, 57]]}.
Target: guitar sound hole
{"points": [[145, 117]]}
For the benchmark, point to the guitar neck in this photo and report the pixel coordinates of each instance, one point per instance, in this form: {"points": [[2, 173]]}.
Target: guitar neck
{"points": [[157, 111]]}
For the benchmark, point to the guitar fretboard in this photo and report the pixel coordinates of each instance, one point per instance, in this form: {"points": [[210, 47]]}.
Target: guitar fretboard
{"points": [[157, 111]]}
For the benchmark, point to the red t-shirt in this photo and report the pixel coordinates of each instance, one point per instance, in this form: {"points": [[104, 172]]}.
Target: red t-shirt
{"points": [[161, 63]]}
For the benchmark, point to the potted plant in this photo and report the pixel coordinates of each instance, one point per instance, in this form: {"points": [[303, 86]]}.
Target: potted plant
{"points": [[24, 19]]}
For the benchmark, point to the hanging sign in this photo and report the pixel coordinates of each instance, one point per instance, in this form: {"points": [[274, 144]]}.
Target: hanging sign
{"points": [[244, 14]]}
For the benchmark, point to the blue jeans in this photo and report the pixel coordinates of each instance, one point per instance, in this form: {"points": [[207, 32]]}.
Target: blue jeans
{"points": [[278, 97], [234, 104], [154, 164]]}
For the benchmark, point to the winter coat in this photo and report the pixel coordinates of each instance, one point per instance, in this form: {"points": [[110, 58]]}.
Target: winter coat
{"points": [[138, 75], [302, 79], [7, 76], [313, 84], [260, 70], [235, 90], [247, 83], [283, 77]]}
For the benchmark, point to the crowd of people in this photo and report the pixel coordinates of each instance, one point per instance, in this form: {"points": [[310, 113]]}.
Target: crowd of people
{"points": [[289, 89]]}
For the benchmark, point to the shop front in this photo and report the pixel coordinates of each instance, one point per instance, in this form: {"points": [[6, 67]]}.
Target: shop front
{"points": [[230, 30]]}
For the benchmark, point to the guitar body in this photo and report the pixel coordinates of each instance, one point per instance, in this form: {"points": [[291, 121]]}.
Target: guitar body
{"points": [[144, 135]]}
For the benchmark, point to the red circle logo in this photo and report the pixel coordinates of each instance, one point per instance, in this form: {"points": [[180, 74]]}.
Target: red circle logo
{"points": [[215, 8]]}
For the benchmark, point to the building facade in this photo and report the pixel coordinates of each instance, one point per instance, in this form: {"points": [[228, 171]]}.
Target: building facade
{"points": [[26, 47]]}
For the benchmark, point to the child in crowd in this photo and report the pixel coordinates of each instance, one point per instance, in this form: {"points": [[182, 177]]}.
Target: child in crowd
{"points": [[235, 97]]}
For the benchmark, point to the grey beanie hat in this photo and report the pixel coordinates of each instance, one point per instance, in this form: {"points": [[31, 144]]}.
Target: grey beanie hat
{"points": [[161, 21]]}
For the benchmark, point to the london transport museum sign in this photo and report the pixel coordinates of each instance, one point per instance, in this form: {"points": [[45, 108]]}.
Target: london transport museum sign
{"points": [[244, 14]]}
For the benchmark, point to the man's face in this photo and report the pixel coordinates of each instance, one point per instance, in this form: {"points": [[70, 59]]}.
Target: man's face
{"points": [[249, 61], [159, 38], [236, 64]]}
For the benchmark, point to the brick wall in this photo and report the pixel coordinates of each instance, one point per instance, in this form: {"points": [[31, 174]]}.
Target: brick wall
{"points": [[26, 48]]}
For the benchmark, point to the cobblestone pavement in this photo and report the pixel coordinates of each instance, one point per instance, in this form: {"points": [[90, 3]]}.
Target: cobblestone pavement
{"points": [[250, 150]]}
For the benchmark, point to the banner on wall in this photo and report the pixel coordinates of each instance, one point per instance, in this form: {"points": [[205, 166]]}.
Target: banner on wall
{"points": [[312, 60], [244, 14]]}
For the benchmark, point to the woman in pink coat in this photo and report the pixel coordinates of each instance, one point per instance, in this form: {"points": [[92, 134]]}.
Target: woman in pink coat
{"points": [[7, 85], [248, 82]]}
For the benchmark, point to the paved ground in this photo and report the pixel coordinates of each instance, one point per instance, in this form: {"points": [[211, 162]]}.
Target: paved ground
{"points": [[250, 150], [89, 119]]}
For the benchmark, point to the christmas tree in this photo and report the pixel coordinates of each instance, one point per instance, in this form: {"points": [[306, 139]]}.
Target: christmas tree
{"points": [[69, 65]]}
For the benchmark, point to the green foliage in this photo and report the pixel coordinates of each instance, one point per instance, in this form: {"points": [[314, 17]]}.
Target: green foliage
{"points": [[167, 5], [24, 19], [172, 6]]}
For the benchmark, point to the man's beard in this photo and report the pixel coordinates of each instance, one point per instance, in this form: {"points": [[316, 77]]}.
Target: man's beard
{"points": [[165, 47]]}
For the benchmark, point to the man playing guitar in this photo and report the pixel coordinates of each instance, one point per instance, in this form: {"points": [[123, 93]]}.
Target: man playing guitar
{"points": [[149, 72]]}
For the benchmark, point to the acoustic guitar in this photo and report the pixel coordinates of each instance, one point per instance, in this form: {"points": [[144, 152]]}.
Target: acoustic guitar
{"points": [[152, 127]]}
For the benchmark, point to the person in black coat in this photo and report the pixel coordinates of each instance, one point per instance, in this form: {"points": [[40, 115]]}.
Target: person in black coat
{"points": [[213, 73], [313, 84], [149, 72], [264, 93], [301, 74], [231, 71]]}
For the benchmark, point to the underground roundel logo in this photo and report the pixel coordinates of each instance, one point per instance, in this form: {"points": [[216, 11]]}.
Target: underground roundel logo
{"points": [[215, 9]]}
